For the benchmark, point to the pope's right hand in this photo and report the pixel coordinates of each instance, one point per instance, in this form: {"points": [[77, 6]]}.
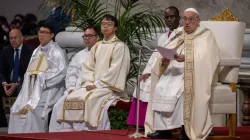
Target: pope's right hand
{"points": [[144, 77]]}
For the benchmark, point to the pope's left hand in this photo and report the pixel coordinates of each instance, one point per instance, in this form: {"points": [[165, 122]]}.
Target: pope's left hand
{"points": [[179, 57]]}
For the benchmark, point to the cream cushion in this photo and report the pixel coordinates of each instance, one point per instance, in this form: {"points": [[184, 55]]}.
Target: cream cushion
{"points": [[229, 36], [223, 100]]}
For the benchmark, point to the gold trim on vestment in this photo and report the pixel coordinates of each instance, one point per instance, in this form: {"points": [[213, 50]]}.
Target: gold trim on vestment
{"points": [[40, 62], [74, 105], [111, 42], [112, 87], [37, 71], [103, 105], [189, 86], [23, 111], [86, 121], [110, 59], [77, 104], [96, 46]]}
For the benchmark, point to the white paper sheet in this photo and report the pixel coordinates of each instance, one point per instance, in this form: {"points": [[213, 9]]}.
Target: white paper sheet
{"points": [[166, 53]]}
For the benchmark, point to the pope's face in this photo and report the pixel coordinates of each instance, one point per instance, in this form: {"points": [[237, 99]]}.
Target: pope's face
{"points": [[191, 21]]}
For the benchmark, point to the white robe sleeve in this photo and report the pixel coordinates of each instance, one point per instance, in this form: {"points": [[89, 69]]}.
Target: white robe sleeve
{"points": [[73, 71], [88, 68], [57, 73], [100, 84], [150, 63]]}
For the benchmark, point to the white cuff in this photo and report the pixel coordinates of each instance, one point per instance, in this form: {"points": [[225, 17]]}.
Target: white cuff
{"points": [[100, 84], [87, 84], [4, 83]]}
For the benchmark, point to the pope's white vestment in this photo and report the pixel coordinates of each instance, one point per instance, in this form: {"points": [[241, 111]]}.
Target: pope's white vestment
{"points": [[40, 90], [72, 82], [106, 67], [182, 91]]}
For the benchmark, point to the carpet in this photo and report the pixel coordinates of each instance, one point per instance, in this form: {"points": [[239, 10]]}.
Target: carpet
{"points": [[243, 132]]}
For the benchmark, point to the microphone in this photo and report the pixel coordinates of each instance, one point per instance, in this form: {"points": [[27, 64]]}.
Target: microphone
{"points": [[177, 35], [173, 38]]}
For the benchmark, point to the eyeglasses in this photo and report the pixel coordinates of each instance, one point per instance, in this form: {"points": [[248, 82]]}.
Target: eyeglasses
{"points": [[43, 32], [189, 19], [86, 36], [107, 24]]}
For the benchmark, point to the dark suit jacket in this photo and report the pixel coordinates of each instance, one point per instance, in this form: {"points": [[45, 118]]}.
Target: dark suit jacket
{"points": [[7, 63]]}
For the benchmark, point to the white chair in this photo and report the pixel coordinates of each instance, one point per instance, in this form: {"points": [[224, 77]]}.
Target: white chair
{"points": [[71, 40], [229, 36]]}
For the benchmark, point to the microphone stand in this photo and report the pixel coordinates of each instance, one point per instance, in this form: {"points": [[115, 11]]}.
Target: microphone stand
{"points": [[137, 134]]}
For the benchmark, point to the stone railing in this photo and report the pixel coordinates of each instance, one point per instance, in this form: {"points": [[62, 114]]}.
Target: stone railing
{"points": [[243, 96]]}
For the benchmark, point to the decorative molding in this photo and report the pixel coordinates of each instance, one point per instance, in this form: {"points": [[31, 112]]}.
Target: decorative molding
{"points": [[226, 15]]}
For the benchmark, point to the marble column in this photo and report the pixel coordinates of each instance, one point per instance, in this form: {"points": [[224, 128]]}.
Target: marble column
{"points": [[246, 106]]}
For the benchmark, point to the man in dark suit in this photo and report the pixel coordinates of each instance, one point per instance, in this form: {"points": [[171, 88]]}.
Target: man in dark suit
{"points": [[14, 61]]}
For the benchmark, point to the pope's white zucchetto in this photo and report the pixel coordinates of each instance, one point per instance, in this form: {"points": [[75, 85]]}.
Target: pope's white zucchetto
{"points": [[192, 10]]}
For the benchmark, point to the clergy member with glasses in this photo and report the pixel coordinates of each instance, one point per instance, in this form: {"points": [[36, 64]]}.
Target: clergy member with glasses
{"points": [[43, 85], [72, 81], [103, 81]]}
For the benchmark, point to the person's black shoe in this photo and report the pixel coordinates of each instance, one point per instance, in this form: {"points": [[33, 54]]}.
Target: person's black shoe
{"points": [[211, 134], [163, 134], [3, 124], [183, 135]]}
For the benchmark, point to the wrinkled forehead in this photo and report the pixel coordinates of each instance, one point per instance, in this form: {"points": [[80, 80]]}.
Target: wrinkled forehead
{"points": [[189, 14]]}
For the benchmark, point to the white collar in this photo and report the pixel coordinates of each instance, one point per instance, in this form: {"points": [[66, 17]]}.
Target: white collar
{"points": [[46, 47], [19, 48], [110, 41]]}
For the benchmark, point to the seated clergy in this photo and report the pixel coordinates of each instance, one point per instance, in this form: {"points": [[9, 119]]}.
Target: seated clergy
{"points": [[72, 80], [43, 85], [104, 75], [183, 90]]}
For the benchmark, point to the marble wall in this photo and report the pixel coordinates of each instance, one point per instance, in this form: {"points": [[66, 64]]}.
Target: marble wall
{"points": [[209, 8], [9, 8]]}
